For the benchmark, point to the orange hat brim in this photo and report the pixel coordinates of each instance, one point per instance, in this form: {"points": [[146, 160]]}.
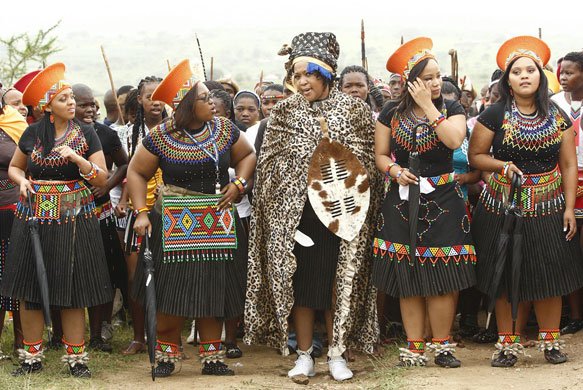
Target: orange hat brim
{"points": [[399, 59], [523, 42], [169, 87], [42, 82]]}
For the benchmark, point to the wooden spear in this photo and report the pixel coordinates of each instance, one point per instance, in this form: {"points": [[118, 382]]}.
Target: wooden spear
{"points": [[362, 46], [112, 85], [169, 66], [540, 33], [454, 65], [212, 65], [260, 89], [402, 40]]}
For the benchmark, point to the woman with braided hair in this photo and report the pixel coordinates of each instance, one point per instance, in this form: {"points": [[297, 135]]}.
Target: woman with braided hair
{"points": [[54, 160], [149, 114]]}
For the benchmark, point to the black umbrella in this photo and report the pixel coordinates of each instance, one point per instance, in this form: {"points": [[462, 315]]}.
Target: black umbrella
{"points": [[516, 261], [414, 192], [41, 272], [151, 320], [512, 226]]}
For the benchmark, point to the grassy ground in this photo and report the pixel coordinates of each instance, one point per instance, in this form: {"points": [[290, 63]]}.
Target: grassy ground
{"points": [[55, 374], [260, 368]]}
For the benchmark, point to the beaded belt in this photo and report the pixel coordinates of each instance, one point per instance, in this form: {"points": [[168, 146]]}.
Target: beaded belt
{"points": [[58, 201], [104, 211], [6, 184], [541, 193], [427, 182]]}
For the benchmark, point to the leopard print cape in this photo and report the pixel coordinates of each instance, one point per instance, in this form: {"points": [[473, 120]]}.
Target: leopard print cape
{"points": [[280, 192]]}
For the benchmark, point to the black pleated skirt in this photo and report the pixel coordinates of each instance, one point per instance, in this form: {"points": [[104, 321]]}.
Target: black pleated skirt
{"points": [[445, 256], [6, 220], [313, 280], [73, 257], [195, 288], [551, 266]]}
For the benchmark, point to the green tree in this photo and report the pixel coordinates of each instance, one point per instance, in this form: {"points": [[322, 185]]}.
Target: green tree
{"points": [[22, 49]]}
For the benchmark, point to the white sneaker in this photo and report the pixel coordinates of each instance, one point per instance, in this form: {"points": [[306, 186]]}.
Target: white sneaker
{"points": [[304, 366], [338, 369]]}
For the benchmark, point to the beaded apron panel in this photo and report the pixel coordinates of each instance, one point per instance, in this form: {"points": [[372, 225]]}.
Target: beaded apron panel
{"points": [[194, 226]]}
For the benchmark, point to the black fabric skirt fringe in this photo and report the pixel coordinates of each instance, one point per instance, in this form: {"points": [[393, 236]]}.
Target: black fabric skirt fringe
{"points": [[194, 289], [6, 220], [446, 253], [313, 280], [74, 260], [116, 264], [551, 266]]}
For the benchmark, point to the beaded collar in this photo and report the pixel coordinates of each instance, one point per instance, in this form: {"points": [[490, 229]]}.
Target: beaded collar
{"points": [[403, 126], [176, 147], [73, 138], [532, 132]]}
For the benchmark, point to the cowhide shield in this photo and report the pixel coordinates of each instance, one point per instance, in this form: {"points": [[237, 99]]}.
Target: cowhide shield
{"points": [[338, 187]]}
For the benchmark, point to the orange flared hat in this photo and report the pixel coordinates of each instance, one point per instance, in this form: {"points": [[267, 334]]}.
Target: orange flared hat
{"points": [[404, 59], [176, 85], [523, 46], [45, 86]]}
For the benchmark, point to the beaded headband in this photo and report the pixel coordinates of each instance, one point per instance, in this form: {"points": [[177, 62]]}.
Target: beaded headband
{"points": [[417, 58], [183, 90], [53, 91], [523, 53]]}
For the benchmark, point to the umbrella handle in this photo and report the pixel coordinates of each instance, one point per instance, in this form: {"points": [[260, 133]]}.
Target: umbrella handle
{"points": [[29, 200], [146, 240], [515, 189]]}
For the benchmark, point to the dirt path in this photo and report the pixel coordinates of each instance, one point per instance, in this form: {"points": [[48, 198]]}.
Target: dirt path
{"points": [[263, 368], [259, 368]]}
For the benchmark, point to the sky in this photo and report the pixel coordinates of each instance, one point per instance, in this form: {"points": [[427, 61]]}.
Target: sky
{"points": [[463, 24]]}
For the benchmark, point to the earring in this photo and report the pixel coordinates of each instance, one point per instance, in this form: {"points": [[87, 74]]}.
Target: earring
{"points": [[511, 92], [52, 118]]}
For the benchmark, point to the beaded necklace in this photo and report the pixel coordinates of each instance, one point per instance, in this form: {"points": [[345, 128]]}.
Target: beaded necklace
{"points": [[532, 132], [214, 155], [73, 138], [403, 126]]}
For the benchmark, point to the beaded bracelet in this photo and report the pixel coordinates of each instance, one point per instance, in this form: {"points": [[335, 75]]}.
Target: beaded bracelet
{"points": [[388, 170], [138, 211], [92, 174], [437, 121], [241, 183], [505, 168]]}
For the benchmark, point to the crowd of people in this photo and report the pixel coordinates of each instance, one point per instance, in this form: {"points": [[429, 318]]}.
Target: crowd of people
{"points": [[322, 210]]}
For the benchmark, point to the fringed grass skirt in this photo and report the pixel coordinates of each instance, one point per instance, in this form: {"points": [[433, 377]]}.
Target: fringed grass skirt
{"points": [[6, 220], [71, 245], [313, 280], [194, 285], [445, 255], [116, 265], [551, 266]]}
